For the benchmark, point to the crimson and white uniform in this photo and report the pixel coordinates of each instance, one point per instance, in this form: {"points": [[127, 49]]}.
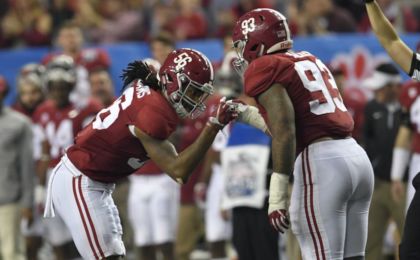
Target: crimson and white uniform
{"points": [[333, 180], [410, 101], [58, 127], [153, 215], [104, 152]]}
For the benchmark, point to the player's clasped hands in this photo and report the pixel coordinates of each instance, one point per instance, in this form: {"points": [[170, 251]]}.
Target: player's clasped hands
{"points": [[226, 111]]}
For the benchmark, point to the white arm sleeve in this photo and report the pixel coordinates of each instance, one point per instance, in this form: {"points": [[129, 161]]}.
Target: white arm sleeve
{"points": [[278, 197], [400, 158], [251, 116]]}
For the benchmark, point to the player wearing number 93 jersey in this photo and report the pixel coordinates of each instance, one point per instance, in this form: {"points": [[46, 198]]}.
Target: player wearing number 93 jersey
{"points": [[333, 178], [124, 136]]}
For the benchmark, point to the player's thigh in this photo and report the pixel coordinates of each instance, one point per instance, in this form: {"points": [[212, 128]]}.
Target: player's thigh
{"points": [[87, 209], [164, 209], [139, 211], [318, 205], [217, 229], [358, 205]]}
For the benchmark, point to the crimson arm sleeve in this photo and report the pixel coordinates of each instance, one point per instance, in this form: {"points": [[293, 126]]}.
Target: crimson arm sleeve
{"points": [[154, 123]]}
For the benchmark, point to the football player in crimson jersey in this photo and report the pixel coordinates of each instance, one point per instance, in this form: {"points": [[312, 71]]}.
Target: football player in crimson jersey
{"points": [[123, 137], [333, 178], [408, 138], [56, 122]]}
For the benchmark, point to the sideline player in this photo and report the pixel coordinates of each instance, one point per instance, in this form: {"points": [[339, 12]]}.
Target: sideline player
{"points": [[409, 133], [56, 122], [333, 178], [123, 137]]}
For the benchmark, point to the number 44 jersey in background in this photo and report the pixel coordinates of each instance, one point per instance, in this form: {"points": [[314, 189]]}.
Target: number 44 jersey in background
{"points": [[57, 127], [319, 108]]}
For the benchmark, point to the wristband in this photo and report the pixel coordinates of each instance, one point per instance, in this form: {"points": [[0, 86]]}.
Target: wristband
{"points": [[400, 158], [369, 1], [278, 197], [251, 116]]}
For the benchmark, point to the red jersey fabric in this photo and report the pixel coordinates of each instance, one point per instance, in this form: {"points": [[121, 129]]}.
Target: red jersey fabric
{"points": [[319, 109], [410, 101], [59, 126], [106, 150], [355, 100]]}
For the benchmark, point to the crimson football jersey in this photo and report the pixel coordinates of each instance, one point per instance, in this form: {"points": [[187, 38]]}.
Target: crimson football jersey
{"points": [[107, 149], [410, 101], [319, 108], [59, 126]]}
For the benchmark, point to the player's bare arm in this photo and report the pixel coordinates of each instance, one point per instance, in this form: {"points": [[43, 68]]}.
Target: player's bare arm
{"points": [[282, 127], [401, 157], [388, 37], [178, 166]]}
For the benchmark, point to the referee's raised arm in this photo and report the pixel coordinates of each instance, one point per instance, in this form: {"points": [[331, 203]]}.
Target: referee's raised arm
{"points": [[389, 39]]}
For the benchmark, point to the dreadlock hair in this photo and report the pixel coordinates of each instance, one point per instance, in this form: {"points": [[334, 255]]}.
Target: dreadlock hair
{"points": [[140, 70]]}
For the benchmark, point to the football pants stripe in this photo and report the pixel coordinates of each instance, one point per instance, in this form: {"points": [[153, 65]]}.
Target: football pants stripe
{"points": [[308, 220], [312, 204], [82, 217], [95, 236]]}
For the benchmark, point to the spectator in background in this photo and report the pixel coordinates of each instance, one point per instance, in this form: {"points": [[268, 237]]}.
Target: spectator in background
{"points": [[115, 22], [189, 22], [16, 178], [101, 86], [153, 215], [26, 22], [382, 121], [61, 11], [319, 17], [30, 96], [29, 88], [245, 165], [70, 41], [161, 45], [398, 14]]}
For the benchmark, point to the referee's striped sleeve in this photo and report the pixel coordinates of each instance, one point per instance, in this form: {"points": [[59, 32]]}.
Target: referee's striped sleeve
{"points": [[415, 67]]}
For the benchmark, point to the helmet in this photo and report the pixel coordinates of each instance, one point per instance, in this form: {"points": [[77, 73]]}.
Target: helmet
{"points": [[228, 83], [33, 72], [187, 80], [259, 32], [61, 68]]}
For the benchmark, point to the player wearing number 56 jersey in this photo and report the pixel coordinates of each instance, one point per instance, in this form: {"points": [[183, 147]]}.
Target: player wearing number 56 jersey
{"points": [[333, 178], [123, 137]]}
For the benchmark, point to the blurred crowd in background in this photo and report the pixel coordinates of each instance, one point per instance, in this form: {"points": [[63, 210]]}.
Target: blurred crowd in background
{"points": [[35, 22]]}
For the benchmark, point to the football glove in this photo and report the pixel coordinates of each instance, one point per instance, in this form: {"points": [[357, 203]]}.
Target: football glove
{"points": [[278, 200], [226, 111]]}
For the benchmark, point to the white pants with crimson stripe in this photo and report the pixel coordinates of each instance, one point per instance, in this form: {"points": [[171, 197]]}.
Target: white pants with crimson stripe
{"points": [[87, 208], [332, 190]]}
